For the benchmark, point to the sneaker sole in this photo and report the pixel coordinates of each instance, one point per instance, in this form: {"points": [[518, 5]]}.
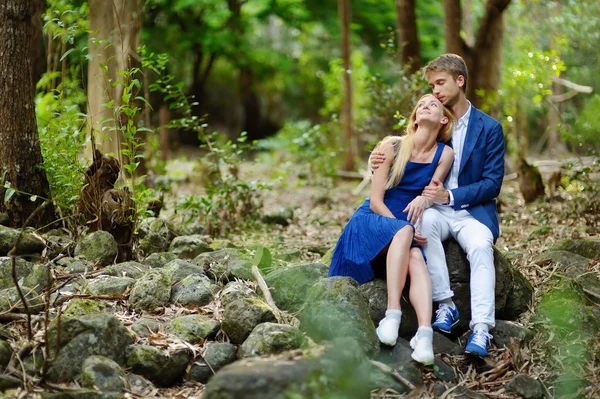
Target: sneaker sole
{"points": [[475, 354], [437, 328]]}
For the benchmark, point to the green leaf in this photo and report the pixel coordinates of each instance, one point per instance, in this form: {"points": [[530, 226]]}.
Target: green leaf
{"points": [[262, 259], [33, 198], [8, 194]]}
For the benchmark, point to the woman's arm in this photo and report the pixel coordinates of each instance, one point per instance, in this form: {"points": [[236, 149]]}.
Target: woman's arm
{"points": [[380, 177]]}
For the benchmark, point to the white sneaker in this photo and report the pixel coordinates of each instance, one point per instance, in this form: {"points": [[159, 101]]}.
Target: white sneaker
{"points": [[387, 332], [422, 350]]}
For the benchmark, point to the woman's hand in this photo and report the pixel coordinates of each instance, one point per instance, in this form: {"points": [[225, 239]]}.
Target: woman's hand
{"points": [[419, 238], [377, 157], [415, 209]]}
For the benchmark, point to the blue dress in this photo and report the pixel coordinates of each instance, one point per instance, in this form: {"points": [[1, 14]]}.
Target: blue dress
{"points": [[368, 233]]}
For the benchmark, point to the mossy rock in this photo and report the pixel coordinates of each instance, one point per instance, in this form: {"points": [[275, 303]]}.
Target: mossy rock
{"points": [[159, 259], [99, 247], [289, 286], [80, 307], [30, 243], [225, 265], [193, 328], [242, 315], [33, 275], [188, 247], [151, 291], [326, 259], [126, 269], [586, 248], [104, 374], [271, 338]]}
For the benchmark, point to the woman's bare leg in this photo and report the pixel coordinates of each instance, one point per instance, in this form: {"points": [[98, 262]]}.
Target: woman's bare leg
{"points": [[420, 288], [397, 265]]}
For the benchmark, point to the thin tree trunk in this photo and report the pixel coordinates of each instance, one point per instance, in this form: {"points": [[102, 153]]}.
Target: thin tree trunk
{"points": [[468, 23], [20, 152], [350, 141], [452, 26], [408, 38]]}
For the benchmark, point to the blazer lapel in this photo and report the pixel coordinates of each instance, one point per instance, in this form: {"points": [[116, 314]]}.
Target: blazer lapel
{"points": [[473, 131]]}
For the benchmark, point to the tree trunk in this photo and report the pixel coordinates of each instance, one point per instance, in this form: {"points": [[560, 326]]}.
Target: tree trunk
{"points": [[468, 23], [350, 140], [20, 153], [408, 38], [484, 58], [114, 22]]}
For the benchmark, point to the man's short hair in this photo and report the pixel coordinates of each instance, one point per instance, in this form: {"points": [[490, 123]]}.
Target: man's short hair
{"points": [[451, 63]]}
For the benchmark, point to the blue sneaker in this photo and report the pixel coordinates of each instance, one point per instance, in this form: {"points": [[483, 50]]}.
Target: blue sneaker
{"points": [[478, 343], [445, 318]]}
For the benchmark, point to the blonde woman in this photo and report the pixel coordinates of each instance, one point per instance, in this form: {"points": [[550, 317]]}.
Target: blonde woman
{"points": [[384, 223]]}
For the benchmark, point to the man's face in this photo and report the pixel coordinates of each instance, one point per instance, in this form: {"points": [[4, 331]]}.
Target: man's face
{"points": [[445, 87]]}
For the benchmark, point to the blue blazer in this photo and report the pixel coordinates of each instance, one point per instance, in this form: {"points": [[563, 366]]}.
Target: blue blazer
{"points": [[481, 170]]}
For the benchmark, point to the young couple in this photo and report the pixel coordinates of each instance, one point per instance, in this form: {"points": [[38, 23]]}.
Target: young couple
{"points": [[448, 192]]}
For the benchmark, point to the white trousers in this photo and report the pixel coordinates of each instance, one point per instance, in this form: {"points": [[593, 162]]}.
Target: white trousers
{"points": [[441, 222]]}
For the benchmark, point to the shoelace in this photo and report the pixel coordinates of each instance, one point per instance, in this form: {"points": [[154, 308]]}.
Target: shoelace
{"points": [[443, 314], [480, 338]]}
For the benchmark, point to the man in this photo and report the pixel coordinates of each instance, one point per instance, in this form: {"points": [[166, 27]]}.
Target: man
{"points": [[465, 205]]}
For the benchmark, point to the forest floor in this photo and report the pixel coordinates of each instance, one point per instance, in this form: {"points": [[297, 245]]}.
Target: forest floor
{"points": [[322, 207]]}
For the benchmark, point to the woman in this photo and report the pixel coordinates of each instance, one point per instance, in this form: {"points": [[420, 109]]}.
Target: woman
{"points": [[384, 223]]}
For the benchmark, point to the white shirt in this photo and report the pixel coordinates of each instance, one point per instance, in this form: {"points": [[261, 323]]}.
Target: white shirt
{"points": [[459, 133]]}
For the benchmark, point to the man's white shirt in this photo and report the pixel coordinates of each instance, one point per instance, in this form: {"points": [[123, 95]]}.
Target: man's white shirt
{"points": [[459, 132]]}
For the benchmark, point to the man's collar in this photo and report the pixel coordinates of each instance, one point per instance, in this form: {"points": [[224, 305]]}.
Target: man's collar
{"points": [[463, 120]]}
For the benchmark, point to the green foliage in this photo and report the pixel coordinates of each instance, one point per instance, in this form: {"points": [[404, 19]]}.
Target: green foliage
{"points": [[587, 126], [229, 202]]}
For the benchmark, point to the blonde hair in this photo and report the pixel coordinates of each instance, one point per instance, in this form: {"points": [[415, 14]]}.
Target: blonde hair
{"points": [[407, 143]]}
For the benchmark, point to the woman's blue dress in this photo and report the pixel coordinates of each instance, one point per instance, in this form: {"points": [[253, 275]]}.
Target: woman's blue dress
{"points": [[368, 233]]}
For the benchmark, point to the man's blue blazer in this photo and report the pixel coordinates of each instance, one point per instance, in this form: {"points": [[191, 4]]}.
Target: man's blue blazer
{"points": [[481, 170]]}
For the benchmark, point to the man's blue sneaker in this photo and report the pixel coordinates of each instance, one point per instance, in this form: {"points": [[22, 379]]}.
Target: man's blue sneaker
{"points": [[446, 318], [478, 343]]}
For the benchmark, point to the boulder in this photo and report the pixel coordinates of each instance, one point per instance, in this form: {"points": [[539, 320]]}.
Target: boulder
{"points": [[126, 269], [216, 355], [336, 308], [84, 336], [290, 285], [151, 291], [587, 248], [31, 243], [35, 276], [10, 300], [6, 353], [188, 247], [225, 265], [99, 247], [235, 290], [505, 330], [271, 338], [81, 307], [194, 290], [179, 269], [104, 374], [146, 325], [164, 369], [242, 315], [159, 259], [110, 286], [525, 386], [193, 328], [155, 235]]}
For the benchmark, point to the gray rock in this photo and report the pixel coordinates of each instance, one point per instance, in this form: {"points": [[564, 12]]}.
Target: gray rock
{"points": [[281, 216], [179, 269], [153, 243], [242, 315], [104, 374], [10, 300], [110, 286], [99, 247], [190, 227], [159, 259], [140, 386], [442, 371], [126, 269], [195, 290], [159, 367], [216, 356], [155, 235], [525, 386], [338, 309], [225, 265], [271, 338], [399, 358], [146, 324], [151, 291], [84, 336], [342, 371], [289, 286], [441, 344], [586, 248], [9, 382], [76, 266], [83, 394], [31, 243], [220, 243], [32, 275], [6, 353], [81, 307], [235, 290], [193, 328], [188, 247], [505, 330]]}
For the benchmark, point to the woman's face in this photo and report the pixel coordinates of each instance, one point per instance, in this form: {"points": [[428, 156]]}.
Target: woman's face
{"points": [[429, 109]]}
